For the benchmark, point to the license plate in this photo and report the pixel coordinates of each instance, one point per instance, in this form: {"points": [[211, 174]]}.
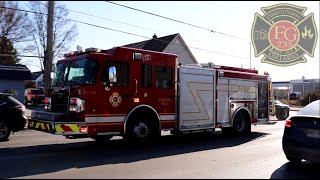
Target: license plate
{"points": [[313, 133]]}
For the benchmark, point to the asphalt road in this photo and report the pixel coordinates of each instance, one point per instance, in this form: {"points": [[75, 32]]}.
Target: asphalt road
{"points": [[32, 154]]}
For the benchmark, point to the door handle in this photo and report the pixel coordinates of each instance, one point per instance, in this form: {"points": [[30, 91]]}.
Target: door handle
{"points": [[136, 92]]}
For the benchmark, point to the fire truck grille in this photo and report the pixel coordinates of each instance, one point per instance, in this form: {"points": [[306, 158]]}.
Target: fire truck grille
{"points": [[59, 102]]}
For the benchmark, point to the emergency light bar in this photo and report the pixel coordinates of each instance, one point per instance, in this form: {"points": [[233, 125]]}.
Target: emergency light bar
{"points": [[92, 50], [137, 56], [88, 50], [72, 53]]}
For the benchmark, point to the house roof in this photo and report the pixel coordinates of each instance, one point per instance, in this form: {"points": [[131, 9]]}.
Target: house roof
{"points": [[160, 44], [154, 44], [35, 75], [14, 72]]}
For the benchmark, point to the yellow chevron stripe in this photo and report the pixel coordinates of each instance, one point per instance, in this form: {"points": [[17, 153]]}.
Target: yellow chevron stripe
{"points": [[37, 125], [58, 128], [75, 128], [42, 126]]}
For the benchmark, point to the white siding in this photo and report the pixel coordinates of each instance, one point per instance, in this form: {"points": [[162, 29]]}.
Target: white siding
{"points": [[178, 47]]}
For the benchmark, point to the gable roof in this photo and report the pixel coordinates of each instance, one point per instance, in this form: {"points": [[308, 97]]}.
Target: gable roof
{"points": [[154, 44], [35, 75], [14, 72], [187, 48]]}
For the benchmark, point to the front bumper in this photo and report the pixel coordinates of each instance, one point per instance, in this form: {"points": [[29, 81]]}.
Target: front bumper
{"points": [[19, 123], [302, 148], [58, 128], [54, 123]]}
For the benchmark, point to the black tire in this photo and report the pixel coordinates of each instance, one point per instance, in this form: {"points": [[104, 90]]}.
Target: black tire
{"points": [[4, 131], [25, 101], [33, 102], [294, 160], [141, 131], [241, 123], [282, 114], [102, 138]]}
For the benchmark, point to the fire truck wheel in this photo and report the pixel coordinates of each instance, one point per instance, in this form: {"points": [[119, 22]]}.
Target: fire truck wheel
{"points": [[241, 123], [139, 131], [102, 138], [282, 114]]}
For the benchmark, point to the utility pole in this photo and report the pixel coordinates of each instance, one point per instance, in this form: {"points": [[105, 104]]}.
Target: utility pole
{"points": [[48, 52]]}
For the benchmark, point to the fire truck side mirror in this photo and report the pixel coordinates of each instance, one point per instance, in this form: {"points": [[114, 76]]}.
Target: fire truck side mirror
{"points": [[112, 74]]}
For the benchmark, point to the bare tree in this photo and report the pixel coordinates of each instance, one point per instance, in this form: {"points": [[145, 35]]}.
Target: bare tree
{"points": [[15, 28], [64, 30]]}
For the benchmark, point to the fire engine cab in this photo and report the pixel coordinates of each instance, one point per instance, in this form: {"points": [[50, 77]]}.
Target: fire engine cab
{"points": [[137, 94]]}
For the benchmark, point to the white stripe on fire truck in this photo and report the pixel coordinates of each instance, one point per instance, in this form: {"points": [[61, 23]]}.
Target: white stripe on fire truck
{"points": [[105, 119], [91, 119], [166, 117], [120, 119], [111, 119]]}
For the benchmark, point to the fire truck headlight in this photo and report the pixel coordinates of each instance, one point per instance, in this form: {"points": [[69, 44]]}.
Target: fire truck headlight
{"points": [[76, 105]]}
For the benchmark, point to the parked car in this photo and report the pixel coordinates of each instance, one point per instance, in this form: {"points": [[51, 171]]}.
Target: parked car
{"points": [[12, 118], [301, 137], [34, 96], [281, 110]]}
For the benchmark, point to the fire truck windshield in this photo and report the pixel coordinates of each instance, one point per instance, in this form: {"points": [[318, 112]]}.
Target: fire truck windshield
{"points": [[78, 72]]}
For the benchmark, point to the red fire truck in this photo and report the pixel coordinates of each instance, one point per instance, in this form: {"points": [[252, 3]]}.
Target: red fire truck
{"points": [[137, 94]]}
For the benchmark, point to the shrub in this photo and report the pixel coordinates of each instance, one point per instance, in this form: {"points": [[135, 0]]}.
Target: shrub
{"points": [[310, 97]]}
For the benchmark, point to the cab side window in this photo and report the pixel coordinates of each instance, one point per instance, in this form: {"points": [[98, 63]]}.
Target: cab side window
{"points": [[146, 75], [164, 77], [120, 70]]}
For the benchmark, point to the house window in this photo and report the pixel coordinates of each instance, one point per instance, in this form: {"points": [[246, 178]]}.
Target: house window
{"points": [[164, 77], [146, 75]]}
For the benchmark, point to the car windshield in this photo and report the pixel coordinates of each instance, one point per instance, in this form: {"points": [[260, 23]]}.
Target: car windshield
{"points": [[76, 72], [37, 91]]}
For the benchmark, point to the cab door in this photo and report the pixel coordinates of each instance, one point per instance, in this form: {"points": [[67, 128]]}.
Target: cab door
{"points": [[157, 90], [115, 96]]}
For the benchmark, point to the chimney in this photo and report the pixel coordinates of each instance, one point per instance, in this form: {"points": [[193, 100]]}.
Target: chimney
{"points": [[154, 36]]}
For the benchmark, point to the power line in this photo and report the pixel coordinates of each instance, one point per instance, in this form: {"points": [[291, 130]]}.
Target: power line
{"points": [[211, 30], [109, 19], [14, 55], [105, 18], [102, 27], [119, 21]]}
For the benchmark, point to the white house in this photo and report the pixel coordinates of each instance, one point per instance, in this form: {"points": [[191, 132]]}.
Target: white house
{"points": [[173, 44], [38, 78]]}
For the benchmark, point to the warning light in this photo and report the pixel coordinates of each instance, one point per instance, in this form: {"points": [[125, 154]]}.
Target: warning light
{"points": [[136, 100], [84, 129]]}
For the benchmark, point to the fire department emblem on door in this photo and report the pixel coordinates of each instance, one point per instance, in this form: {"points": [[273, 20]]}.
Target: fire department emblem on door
{"points": [[284, 35], [115, 99]]}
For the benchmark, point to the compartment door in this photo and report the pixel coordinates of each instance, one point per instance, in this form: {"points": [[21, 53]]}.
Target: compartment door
{"points": [[196, 98]]}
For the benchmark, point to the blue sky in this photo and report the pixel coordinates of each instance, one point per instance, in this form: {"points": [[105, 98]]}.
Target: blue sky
{"points": [[233, 18]]}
